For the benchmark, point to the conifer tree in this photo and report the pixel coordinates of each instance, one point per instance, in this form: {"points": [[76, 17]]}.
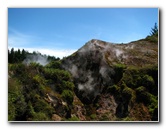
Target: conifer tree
{"points": [[154, 31]]}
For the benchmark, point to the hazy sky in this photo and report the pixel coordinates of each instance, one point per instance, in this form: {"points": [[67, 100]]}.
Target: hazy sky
{"points": [[61, 31]]}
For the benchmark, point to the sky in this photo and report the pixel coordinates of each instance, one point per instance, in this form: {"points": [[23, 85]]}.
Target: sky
{"points": [[61, 31]]}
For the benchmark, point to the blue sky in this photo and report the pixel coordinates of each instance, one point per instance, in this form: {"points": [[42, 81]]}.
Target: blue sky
{"points": [[61, 31]]}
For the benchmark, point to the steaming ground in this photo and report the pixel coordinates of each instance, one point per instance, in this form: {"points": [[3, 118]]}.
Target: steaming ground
{"points": [[36, 59], [92, 65], [91, 59]]}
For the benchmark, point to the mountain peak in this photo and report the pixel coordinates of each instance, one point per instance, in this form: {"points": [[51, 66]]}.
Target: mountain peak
{"points": [[94, 45]]}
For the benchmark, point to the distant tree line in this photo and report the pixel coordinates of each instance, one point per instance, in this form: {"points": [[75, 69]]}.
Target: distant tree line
{"points": [[18, 56]]}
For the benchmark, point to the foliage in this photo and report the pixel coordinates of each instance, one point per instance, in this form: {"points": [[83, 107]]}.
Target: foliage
{"points": [[137, 85], [54, 64], [93, 116], [28, 86], [68, 96], [127, 93], [154, 30], [74, 118], [153, 37], [56, 74], [104, 117], [127, 119], [40, 117], [119, 68], [113, 89], [16, 56], [15, 99], [68, 85], [148, 82], [132, 77]]}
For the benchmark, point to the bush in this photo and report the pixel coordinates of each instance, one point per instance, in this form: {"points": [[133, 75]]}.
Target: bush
{"points": [[68, 85], [39, 79], [153, 107], [127, 93], [113, 89], [152, 38], [74, 118], [54, 64], [15, 99], [40, 117], [119, 69], [68, 96], [93, 116], [11, 110], [148, 82], [20, 110], [56, 74], [135, 77], [142, 95], [18, 69]]}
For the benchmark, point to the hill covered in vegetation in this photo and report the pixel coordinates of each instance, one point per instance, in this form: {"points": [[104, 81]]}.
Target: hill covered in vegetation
{"points": [[100, 82]]}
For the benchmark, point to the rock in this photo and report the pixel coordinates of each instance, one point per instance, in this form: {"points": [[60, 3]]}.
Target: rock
{"points": [[55, 117]]}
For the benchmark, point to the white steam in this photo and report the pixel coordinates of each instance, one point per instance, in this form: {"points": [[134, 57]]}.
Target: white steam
{"points": [[74, 71], [88, 85], [103, 71], [42, 60], [118, 52], [130, 46]]}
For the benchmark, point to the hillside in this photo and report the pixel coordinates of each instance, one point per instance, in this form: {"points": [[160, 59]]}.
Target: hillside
{"points": [[120, 79], [100, 82]]}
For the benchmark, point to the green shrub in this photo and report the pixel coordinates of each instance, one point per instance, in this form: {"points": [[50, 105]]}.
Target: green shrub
{"points": [[18, 69], [39, 79], [119, 69], [127, 93], [128, 119], [54, 64], [153, 38], [15, 99], [20, 108], [148, 82], [11, 110], [104, 117], [34, 65], [142, 95], [68, 96], [40, 117], [131, 77], [153, 105], [74, 118], [113, 89], [93, 116], [56, 74], [68, 85]]}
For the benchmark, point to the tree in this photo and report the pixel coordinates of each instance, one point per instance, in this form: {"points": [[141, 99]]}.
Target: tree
{"points": [[23, 54], [154, 31], [11, 55]]}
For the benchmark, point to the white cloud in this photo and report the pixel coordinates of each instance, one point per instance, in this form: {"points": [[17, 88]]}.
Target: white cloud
{"points": [[52, 52]]}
